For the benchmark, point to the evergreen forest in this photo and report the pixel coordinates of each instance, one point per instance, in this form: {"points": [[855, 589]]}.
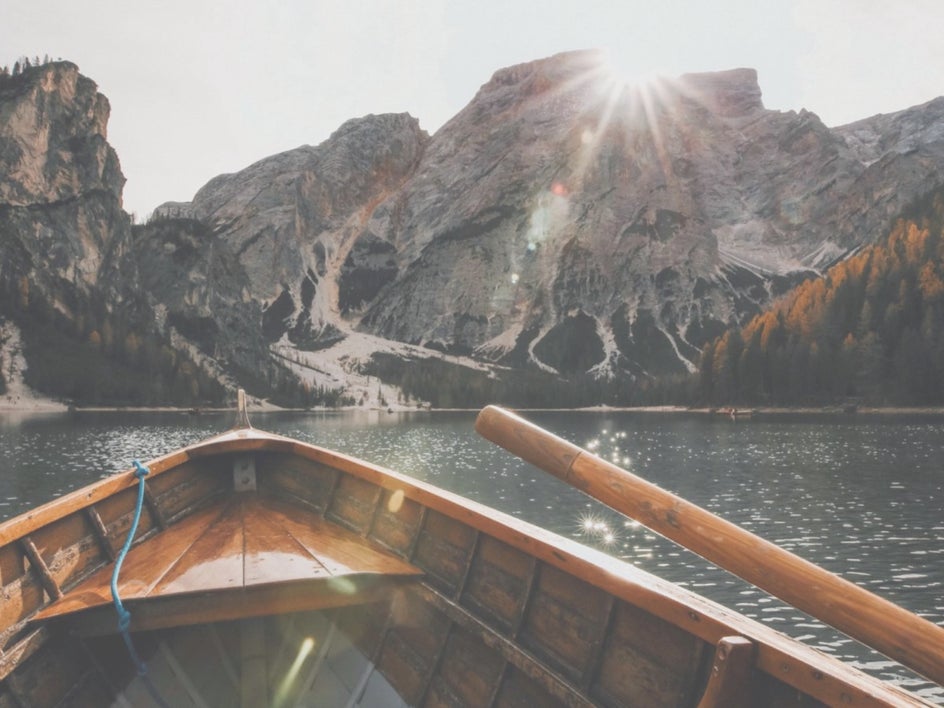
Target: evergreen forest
{"points": [[870, 331]]}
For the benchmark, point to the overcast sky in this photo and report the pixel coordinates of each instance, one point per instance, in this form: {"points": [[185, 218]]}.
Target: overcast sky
{"points": [[201, 87]]}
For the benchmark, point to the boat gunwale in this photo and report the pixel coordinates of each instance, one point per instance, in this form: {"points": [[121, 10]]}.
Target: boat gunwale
{"points": [[780, 656]]}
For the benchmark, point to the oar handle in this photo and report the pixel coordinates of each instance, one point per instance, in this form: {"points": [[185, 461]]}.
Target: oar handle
{"points": [[878, 623]]}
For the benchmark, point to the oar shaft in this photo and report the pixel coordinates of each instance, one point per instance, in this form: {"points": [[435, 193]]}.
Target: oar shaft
{"points": [[878, 623]]}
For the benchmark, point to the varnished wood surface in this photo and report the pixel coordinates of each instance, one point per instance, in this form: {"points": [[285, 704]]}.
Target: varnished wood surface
{"points": [[240, 542], [729, 685], [892, 630]]}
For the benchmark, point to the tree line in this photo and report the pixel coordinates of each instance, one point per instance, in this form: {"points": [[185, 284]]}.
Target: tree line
{"points": [[98, 356], [24, 63]]}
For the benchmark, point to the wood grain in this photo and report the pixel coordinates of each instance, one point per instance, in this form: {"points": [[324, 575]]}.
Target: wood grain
{"points": [[240, 542]]}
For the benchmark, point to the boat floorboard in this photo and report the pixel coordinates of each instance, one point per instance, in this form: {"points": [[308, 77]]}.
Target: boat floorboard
{"points": [[242, 543]]}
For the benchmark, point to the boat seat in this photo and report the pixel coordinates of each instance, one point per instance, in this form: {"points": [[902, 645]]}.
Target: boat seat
{"points": [[730, 681], [245, 555]]}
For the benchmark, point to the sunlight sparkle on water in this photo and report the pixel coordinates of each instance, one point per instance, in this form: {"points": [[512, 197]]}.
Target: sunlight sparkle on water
{"points": [[597, 529]]}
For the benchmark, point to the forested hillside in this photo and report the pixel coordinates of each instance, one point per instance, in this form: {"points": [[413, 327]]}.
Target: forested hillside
{"points": [[870, 330]]}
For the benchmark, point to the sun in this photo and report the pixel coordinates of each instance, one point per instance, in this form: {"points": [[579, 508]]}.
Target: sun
{"points": [[627, 74]]}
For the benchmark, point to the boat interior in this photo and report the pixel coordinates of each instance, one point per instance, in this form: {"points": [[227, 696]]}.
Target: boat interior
{"points": [[266, 572]]}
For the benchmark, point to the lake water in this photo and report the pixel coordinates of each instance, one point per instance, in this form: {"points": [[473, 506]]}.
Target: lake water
{"points": [[863, 498]]}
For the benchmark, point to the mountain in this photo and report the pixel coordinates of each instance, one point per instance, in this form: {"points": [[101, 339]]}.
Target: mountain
{"points": [[70, 293], [562, 226]]}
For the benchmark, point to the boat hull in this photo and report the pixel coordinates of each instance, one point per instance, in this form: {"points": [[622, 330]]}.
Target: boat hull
{"points": [[475, 608]]}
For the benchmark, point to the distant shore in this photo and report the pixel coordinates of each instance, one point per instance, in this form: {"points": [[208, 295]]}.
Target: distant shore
{"points": [[30, 405]]}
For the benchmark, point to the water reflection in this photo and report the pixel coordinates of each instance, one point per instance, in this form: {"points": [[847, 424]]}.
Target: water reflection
{"points": [[863, 499]]}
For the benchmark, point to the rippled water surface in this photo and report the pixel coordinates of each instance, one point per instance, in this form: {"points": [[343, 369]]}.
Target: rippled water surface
{"points": [[863, 498]]}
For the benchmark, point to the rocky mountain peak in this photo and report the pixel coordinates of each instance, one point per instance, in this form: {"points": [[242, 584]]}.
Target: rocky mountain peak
{"points": [[53, 128], [535, 77], [730, 93]]}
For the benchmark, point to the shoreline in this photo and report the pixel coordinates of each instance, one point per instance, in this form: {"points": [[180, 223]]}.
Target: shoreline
{"points": [[46, 407]]}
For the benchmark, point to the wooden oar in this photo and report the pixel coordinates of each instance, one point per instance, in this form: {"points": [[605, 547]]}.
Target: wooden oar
{"points": [[880, 624]]}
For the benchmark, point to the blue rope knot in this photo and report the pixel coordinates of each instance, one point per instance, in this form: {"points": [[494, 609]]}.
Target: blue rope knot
{"points": [[140, 471]]}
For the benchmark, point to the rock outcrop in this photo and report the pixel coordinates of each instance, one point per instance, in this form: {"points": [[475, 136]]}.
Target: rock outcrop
{"points": [[60, 192], [291, 218]]}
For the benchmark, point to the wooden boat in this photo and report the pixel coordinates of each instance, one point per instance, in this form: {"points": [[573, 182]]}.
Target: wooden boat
{"points": [[269, 572]]}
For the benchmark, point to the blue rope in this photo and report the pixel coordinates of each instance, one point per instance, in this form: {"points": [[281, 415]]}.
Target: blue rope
{"points": [[124, 617]]}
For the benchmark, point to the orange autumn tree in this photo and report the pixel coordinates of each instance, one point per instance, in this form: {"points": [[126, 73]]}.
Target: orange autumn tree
{"points": [[872, 328]]}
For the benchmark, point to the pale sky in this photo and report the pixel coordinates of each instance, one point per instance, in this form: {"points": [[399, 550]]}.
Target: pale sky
{"points": [[202, 87]]}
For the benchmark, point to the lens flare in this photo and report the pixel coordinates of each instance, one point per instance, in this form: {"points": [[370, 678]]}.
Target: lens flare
{"points": [[307, 646], [395, 501]]}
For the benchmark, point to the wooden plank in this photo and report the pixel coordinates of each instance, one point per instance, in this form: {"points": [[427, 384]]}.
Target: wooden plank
{"points": [[12, 564], [213, 561], [433, 674], [154, 508], [555, 684], [412, 646], [598, 645], [417, 533], [337, 550], [647, 661], [272, 553], [496, 689], [565, 617], [460, 587], [297, 478], [20, 699], [52, 674], [181, 676], [397, 522], [69, 549], [527, 595], [21, 594], [190, 486], [353, 503], [498, 584], [730, 684], [444, 549]]}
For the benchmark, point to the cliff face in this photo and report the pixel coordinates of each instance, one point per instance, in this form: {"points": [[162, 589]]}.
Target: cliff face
{"points": [[99, 311], [60, 195], [561, 221]]}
